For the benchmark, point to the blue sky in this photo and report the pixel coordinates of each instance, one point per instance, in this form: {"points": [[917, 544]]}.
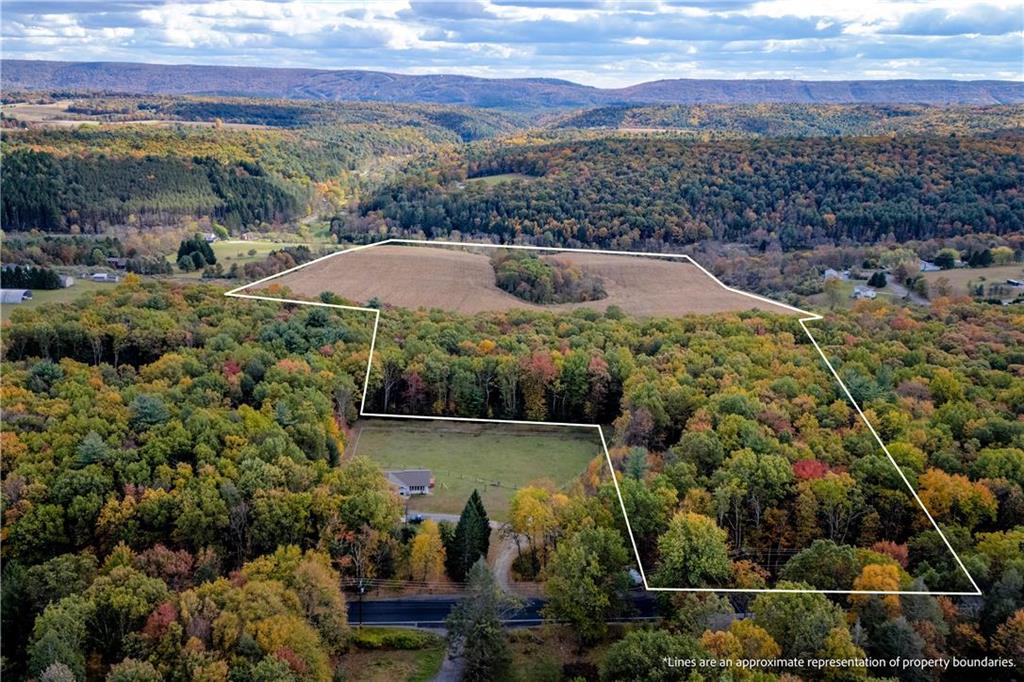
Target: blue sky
{"points": [[606, 43]]}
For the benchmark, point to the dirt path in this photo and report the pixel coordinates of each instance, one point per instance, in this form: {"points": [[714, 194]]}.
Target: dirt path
{"points": [[451, 668], [503, 564]]}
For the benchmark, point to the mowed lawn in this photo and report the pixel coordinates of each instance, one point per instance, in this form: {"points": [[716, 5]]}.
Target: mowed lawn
{"points": [[69, 295], [493, 459]]}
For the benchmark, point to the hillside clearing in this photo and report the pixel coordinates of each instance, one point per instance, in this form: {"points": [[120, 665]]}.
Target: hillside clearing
{"points": [[959, 277], [463, 281]]}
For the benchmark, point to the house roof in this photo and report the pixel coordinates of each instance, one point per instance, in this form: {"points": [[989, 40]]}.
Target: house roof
{"points": [[411, 478]]}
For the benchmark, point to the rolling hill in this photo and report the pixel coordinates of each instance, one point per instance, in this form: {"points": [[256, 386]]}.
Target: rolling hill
{"points": [[526, 93]]}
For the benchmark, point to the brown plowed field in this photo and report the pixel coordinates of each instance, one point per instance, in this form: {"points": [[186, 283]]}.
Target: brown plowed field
{"points": [[461, 281]]}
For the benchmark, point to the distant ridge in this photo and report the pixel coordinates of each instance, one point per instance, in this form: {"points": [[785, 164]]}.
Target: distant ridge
{"points": [[516, 93]]}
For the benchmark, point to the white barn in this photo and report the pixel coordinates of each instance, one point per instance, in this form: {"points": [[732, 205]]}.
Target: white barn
{"points": [[14, 296]]}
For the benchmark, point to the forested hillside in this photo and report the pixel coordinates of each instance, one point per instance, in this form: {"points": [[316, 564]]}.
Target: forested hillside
{"points": [[795, 120], [174, 504], [86, 178], [645, 193], [513, 93], [161, 440], [437, 121]]}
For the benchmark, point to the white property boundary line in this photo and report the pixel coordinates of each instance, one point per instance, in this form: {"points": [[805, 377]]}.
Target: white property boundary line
{"points": [[807, 317]]}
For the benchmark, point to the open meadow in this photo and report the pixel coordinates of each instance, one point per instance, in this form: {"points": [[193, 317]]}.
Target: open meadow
{"points": [[56, 115], [68, 295], [494, 459], [960, 277]]}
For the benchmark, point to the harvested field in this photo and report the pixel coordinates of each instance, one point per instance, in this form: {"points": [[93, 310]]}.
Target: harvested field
{"points": [[55, 115], [463, 282]]}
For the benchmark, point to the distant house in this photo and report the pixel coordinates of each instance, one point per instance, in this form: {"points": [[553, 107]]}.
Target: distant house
{"points": [[66, 281], [409, 482], [14, 296], [1015, 283], [928, 266], [210, 237], [118, 263], [105, 277], [864, 293]]}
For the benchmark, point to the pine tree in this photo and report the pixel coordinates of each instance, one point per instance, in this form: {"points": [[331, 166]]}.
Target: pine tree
{"points": [[475, 626], [471, 540]]}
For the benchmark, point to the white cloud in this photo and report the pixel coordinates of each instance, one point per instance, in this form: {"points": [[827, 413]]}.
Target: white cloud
{"points": [[601, 42]]}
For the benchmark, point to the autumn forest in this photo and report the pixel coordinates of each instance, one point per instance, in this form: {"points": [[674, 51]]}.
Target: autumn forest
{"points": [[180, 496]]}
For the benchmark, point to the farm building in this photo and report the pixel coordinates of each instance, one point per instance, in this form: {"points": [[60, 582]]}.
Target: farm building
{"points": [[66, 281], [104, 277], [408, 482], [12, 296]]}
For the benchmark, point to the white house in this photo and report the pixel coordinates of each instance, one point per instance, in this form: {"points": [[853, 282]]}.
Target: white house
{"points": [[864, 293], [408, 482], [928, 266], [66, 281], [104, 277]]}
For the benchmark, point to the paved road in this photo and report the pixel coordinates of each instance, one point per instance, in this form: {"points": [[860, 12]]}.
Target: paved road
{"points": [[451, 518], [901, 291], [430, 612]]}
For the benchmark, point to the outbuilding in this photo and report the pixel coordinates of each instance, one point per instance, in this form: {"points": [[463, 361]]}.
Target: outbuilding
{"points": [[14, 296]]}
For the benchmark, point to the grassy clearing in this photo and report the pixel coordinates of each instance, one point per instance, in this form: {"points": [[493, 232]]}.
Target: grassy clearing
{"points": [[959, 277], [40, 296], [55, 114], [390, 664], [539, 653], [820, 301], [493, 459], [488, 180], [230, 252]]}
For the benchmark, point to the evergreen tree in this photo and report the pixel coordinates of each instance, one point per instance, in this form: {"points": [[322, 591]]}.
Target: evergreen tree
{"points": [[198, 251], [636, 463], [475, 626], [471, 540], [91, 450]]}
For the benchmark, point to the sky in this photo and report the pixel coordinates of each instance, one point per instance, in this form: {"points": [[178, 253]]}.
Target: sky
{"points": [[605, 43]]}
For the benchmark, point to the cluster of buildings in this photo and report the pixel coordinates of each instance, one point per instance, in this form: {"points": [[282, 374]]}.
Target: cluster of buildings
{"points": [[860, 292]]}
